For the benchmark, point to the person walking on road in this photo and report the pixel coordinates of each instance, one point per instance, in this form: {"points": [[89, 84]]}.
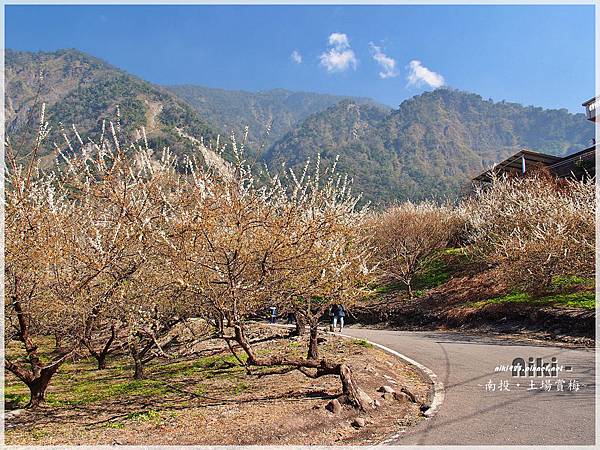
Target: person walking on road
{"points": [[338, 316], [331, 314], [273, 310]]}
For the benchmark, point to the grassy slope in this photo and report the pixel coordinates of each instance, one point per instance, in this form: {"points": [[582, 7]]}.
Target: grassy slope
{"points": [[79, 383], [583, 299], [571, 291]]}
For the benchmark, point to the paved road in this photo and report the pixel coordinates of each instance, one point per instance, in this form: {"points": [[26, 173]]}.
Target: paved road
{"points": [[472, 415]]}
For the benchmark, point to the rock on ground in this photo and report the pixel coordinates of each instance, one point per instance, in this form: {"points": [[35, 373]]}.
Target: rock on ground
{"points": [[364, 397], [334, 406], [386, 389], [359, 422], [387, 396], [401, 397]]}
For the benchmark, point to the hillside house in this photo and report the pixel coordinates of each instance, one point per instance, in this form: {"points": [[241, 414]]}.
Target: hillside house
{"points": [[579, 165], [591, 107]]}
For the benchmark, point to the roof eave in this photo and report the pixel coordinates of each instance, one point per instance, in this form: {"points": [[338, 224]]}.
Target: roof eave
{"points": [[589, 101]]}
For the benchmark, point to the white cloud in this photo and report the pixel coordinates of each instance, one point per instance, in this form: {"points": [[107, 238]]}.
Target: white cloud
{"points": [[388, 65], [339, 40], [296, 57], [420, 75], [340, 57], [336, 61]]}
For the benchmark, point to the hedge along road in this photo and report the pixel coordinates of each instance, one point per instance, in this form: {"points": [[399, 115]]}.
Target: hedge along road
{"points": [[477, 410]]}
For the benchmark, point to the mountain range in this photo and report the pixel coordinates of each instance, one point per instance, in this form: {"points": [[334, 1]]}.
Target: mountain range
{"points": [[79, 89], [269, 115], [432, 144], [428, 147]]}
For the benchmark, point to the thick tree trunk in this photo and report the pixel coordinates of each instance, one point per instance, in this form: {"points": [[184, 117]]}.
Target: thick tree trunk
{"points": [[58, 340], [350, 388], [38, 387], [139, 370], [138, 364], [300, 323], [101, 361], [38, 377], [100, 358], [313, 348], [102, 354], [37, 380]]}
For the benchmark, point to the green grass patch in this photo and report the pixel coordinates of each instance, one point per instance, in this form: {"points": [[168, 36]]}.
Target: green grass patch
{"points": [[362, 343], [90, 391], [169, 382], [93, 391], [435, 274], [39, 434], [16, 390], [460, 252], [571, 281], [240, 387], [116, 425], [18, 400], [208, 366], [143, 416], [583, 300]]}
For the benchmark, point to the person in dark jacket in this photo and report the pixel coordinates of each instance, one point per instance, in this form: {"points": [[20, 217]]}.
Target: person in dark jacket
{"points": [[291, 318], [338, 316]]}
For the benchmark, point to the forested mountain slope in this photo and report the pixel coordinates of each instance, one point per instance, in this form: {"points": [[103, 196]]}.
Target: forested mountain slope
{"points": [[83, 90], [429, 147], [267, 114], [432, 144]]}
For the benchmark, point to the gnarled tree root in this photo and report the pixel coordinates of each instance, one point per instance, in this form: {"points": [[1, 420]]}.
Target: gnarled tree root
{"points": [[311, 368]]}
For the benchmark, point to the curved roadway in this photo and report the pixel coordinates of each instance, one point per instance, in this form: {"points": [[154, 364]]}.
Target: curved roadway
{"points": [[477, 412]]}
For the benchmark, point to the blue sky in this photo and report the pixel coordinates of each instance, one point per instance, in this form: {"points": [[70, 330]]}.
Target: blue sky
{"points": [[535, 55]]}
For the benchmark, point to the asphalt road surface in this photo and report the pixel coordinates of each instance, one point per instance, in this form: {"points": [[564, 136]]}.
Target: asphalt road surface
{"points": [[477, 410]]}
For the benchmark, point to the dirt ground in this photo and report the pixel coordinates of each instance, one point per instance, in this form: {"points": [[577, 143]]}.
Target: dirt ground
{"points": [[211, 400]]}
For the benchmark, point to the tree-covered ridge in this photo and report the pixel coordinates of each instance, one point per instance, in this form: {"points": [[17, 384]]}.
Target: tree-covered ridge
{"points": [[432, 144], [429, 147], [347, 129], [275, 110], [83, 90]]}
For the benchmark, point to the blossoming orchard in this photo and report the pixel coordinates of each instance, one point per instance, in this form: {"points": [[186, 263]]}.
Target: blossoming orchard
{"points": [[120, 242]]}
